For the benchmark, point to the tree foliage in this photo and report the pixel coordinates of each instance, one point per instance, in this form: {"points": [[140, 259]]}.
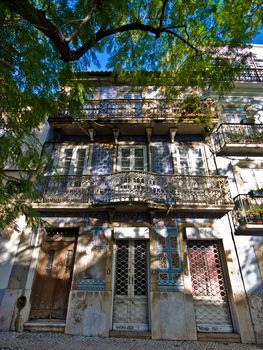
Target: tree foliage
{"points": [[178, 43]]}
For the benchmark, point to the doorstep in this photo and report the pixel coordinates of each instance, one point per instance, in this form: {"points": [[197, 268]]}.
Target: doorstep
{"points": [[130, 334], [45, 325], [220, 337]]}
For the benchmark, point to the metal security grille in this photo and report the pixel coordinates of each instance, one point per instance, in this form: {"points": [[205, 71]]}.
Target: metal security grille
{"points": [[121, 285], [130, 310], [140, 268], [208, 287]]}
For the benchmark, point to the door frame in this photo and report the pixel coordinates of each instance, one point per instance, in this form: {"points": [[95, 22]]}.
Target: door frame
{"points": [[225, 274], [41, 238], [114, 260]]}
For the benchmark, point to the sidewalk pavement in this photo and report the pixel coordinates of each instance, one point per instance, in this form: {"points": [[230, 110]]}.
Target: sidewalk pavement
{"points": [[60, 341]]}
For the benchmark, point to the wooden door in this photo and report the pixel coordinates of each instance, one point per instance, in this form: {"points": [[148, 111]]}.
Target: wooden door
{"points": [[53, 279]]}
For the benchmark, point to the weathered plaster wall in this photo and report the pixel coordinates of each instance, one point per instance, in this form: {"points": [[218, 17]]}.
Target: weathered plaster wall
{"points": [[12, 258], [89, 313], [90, 300], [172, 316], [251, 258]]}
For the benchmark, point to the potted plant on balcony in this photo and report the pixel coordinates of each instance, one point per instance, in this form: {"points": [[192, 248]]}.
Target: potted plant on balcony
{"points": [[194, 105], [235, 136], [255, 214]]}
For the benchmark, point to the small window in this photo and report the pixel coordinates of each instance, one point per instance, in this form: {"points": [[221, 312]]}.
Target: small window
{"points": [[169, 265], [132, 158]]}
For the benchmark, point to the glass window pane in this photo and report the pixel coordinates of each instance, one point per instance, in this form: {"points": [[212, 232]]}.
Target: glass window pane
{"points": [[139, 164], [67, 161], [81, 153], [163, 263], [125, 152], [125, 164], [173, 241], [175, 261], [138, 152], [197, 162]]}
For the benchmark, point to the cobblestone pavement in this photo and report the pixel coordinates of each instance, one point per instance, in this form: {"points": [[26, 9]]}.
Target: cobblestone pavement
{"points": [[60, 341]]}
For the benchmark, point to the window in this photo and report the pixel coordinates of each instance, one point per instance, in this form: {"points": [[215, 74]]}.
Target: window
{"points": [[168, 259], [73, 160], [234, 114], [72, 164], [132, 158], [252, 179], [190, 161]]}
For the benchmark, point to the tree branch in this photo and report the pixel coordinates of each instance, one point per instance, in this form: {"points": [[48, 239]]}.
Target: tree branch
{"points": [[82, 24], [38, 19], [101, 34], [162, 14], [186, 41]]}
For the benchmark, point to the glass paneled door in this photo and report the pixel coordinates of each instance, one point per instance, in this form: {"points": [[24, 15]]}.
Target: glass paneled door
{"points": [[130, 308]]}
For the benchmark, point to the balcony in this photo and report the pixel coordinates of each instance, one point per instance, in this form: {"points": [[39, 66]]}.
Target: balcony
{"points": [[237, 139], [178, 192], [133, 116], [248, 214], [252, 74]]}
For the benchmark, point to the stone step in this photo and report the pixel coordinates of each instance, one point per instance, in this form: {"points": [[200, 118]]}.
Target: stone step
{"points": [[219, 337], [45, 326], [130, 334]]}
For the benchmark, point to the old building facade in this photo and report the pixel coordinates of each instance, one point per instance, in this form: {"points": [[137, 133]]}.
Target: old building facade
{"points": [[154, 220]]}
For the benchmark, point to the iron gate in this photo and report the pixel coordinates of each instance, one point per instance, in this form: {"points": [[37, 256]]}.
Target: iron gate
{"points": [[208, 287], [130, 309]]}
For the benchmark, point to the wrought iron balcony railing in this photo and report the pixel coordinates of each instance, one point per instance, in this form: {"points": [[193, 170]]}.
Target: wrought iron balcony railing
{"points": [[238, 134], [252, 74], [248, 213], [141, 109], [179, 190]]}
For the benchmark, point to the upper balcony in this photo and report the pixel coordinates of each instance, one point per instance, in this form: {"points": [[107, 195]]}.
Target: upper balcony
{"points": [[238, 139], [133, 116], [248, 213], [252, 74], [181, 193]]}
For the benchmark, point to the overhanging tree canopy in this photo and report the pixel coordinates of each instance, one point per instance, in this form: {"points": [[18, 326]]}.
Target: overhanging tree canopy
{"points": [[190, 43]]}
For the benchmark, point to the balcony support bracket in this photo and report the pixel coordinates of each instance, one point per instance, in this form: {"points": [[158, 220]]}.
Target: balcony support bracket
{"points": [[173, 132]]}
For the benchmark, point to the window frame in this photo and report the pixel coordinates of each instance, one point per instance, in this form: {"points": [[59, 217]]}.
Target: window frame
{"points": [[132, 157], [59, 161], [191, 160]]}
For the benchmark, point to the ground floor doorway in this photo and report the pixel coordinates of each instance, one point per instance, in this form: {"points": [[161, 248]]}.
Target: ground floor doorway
{"points": [[130, 303], [52, 283], [209, 288]]}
